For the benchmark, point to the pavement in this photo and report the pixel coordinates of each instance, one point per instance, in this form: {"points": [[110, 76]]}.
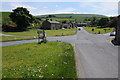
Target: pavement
{"points": [[95, 55]]}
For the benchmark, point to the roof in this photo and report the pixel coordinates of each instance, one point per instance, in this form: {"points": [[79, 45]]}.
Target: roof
{"points": [[12, 25], [53, 21]]}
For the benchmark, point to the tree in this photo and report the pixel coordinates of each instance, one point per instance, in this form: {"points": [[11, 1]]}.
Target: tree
{"points": [[115, 22], [103, 22], [94, 21], [21, 17]]}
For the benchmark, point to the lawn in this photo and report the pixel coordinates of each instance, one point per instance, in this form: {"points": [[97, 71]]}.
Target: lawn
{"points": [[32, 60], [14, 38], [60, 32], [96, 30]]}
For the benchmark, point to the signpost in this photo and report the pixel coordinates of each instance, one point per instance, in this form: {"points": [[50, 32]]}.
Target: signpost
{"points": [[41, 36]]}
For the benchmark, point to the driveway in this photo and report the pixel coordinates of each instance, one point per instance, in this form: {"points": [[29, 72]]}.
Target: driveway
{"points": [[95, 56]]}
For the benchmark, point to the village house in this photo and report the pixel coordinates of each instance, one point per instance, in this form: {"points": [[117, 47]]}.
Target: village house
{"points": [[9, 27], [51, 25], [74, 24], [55, 25], [82, 24], [67, 25]]}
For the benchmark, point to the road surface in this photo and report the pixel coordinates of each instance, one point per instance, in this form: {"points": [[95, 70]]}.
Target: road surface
{"points": [[95, 56], [98, 58]]}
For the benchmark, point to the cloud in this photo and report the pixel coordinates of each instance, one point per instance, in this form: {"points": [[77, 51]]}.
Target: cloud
{"points": [[68, 10], [19, 4], [105, 8], [119, 8], [45, 7], [56, 5], [60, 0], [63, 11]]}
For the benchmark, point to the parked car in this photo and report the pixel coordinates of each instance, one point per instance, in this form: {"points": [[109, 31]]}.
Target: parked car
{"points": [[63, 28], [112, 33]]}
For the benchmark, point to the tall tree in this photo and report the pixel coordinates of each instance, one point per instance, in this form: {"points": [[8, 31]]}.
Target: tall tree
{"points": [[21, 17], [103, 22], [94, 21]]}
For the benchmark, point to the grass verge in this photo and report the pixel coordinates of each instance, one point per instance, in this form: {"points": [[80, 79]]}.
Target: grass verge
{"points": [[32, 60], [14, 38], [60, 32], [96, 30]]}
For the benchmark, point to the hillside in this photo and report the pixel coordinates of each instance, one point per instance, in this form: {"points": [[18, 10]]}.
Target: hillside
{"points": [[74, 15], [59, 17], [77, 17], [4, 15]]}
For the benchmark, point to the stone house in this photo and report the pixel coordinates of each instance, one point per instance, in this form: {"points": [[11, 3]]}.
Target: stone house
{"points": [[67, 25], [82, 24], [74, 24], [51, 25]]}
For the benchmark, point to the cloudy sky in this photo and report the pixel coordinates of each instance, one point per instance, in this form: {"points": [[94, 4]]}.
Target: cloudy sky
{"points": [[41, 8]]}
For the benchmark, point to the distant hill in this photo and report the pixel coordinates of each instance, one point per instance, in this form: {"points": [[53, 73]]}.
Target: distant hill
{"points": [[78, 17], [4, 15], [74, 15]]}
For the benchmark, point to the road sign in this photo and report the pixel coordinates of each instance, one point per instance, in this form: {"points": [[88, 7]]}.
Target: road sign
{"points": [[40, 32]]}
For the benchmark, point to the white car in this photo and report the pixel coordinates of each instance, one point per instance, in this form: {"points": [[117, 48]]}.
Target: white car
{"points": [[112, 33], [63, 28]]}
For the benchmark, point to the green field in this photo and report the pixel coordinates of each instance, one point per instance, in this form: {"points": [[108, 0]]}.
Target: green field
{"points": [[64, 32], [32, 60], [14, 38], [96, 30]]}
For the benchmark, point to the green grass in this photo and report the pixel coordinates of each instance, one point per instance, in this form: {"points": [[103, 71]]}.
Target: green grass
{"points": [[14, 38], [96, 30], [48, 32], [32, 60]]}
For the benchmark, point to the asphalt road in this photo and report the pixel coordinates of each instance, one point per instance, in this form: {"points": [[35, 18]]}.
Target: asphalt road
{"points": [[69, 39], [98, 58], [95, 56]]}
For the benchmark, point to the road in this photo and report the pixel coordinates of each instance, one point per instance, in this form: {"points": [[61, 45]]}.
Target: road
{"points": [[95, 56], [98, 58], [69, 39]]}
